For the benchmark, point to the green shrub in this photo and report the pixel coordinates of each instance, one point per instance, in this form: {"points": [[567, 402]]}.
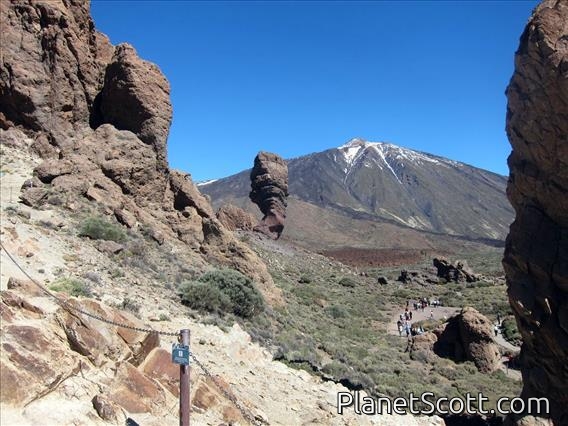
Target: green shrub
{"points": [[336, 311], [71, 286], [348, 282], [224, 290], [98, 228], [204, 297], [305, 279]]}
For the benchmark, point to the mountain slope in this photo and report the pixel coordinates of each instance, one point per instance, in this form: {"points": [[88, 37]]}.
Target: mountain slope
{"points": [[384, 183]]}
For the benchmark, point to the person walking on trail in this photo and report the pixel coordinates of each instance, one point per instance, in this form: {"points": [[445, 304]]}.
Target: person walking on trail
{"points": [[399, 326], [496, 329], [431, 314]]}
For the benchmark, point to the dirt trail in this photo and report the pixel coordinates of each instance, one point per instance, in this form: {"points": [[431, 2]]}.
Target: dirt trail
{"points": [[441, 312]]}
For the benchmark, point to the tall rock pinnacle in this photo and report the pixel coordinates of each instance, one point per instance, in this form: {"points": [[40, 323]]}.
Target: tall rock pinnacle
{"points": [[536, 254], [269, 183]]}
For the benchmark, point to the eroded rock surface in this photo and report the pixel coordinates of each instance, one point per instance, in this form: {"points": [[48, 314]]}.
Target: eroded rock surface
{"points": [[536, 254], [269, 183]]}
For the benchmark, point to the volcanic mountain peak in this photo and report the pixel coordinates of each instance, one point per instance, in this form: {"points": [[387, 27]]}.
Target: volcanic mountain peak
{"points": [[383, 153]]}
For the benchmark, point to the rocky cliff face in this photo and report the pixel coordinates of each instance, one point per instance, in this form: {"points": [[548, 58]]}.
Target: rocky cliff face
{"points": [[100, 118], [269, 183], [537, 247]]}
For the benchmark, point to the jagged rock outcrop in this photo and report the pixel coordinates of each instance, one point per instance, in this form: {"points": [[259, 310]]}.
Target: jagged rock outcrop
{"points": [[537, 246], [100, 118], [53, 64], [450, 272], [269, 183], [233, 218], [136, 97]]}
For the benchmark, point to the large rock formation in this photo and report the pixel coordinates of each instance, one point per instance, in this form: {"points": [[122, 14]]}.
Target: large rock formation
{"points": [[536, 254], [269, 183], [136, 97], [469, 337], [100, 118], [466, 337]]}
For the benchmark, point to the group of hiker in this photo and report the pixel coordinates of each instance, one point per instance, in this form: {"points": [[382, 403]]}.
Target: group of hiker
{"points": [[404, 323]]}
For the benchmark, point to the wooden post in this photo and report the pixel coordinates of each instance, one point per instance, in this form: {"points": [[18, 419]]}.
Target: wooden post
{"points": [[184, 395]]}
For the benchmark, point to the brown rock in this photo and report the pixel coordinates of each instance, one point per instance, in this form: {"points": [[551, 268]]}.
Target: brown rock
{"points": [[469, 337], [86, 336], [459, 272], [34, 197], [135, 392], [51, 168], [25, 287], [233, 218], [52, 67], [106, 409], [537, 245], [136, 97], [11, 298], [269, 183], [33, 355], [186, 194], [158, 365], [125, 217], [422, 347], [109, 247]]}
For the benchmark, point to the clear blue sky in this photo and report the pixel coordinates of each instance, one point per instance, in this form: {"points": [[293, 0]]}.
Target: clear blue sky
{"points": [[300, 77]]}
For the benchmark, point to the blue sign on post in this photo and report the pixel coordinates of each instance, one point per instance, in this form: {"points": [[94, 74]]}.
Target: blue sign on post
{"points": [[180, 354]]}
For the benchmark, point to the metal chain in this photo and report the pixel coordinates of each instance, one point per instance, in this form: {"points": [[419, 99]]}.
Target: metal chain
{"points": [[255, 420], [67, 306]]}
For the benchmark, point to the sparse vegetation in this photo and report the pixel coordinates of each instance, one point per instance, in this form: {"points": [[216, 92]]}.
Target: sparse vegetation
{"points": [[221, 291], [98, 228], [130, 305], [335, 326], [71, 286]]}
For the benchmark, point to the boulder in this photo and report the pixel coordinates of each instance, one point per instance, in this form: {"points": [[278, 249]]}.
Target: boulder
{"points": [[537, 246], [469, 337], [269, 183], [233, 218], [458, 272]]}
